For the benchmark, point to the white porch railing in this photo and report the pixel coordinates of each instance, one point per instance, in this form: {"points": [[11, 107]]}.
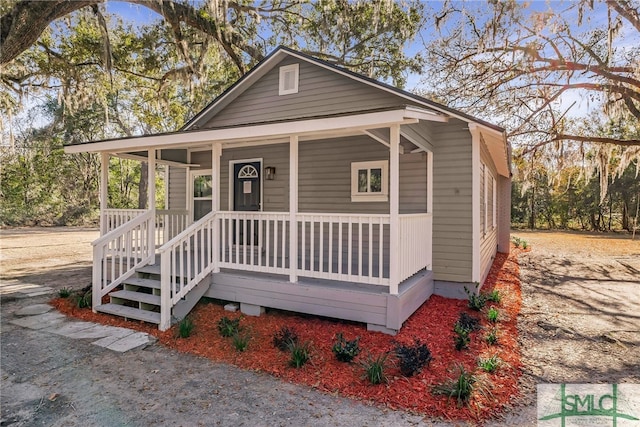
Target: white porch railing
{"points": [[169, 223], [415, 243], [255, 241], [346, 247], [184, 261], [118, 253]]}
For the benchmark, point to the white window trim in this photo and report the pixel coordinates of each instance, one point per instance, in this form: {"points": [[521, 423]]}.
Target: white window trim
{"points": [[383, 196], [495, 203], [296, 77]]}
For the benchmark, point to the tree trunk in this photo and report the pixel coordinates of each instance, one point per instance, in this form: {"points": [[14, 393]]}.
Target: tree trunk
{"points": [[532, 218], [625, 216], [143, 186]]}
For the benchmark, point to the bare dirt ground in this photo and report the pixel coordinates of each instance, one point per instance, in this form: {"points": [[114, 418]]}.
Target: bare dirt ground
{"points": [[580, 322]]}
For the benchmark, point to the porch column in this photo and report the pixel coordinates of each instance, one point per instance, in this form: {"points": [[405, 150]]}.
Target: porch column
{"points": [[475, 202], [216, 153], [293, 208], [394, 209], [151, 197], [429, 248], [104, 191]]}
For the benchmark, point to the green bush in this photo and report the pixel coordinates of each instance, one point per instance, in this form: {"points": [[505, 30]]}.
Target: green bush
{"points": [[241, 341], [84, 299], [493, 315], [228, 327], [490, 364], [494, 296], [345, 350], [491, 337], [477, 300], [64, 292]]}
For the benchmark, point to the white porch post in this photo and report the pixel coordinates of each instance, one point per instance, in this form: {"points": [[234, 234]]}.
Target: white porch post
{"points": [[216, 153], [394, 209], [475, 202], [151, 196], [104, 191], [293, 208], [429, 259]]}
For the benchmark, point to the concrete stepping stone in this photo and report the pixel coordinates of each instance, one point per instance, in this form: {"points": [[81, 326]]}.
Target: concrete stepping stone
{"points": [[32, 310], [131, 342], [69, 328], [40, 321]]}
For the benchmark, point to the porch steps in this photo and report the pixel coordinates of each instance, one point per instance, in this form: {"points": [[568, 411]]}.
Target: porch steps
{"points": [[149, 269], [136, 296], [130, 312], [142, 283]]}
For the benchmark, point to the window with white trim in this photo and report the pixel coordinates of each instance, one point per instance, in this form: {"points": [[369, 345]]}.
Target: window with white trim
{"points": [[370, 181], [289, 76], [483, 198], [495, 202]]}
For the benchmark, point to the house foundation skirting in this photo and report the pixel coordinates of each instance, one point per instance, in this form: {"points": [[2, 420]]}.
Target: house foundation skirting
{"points": [[368, 304]]}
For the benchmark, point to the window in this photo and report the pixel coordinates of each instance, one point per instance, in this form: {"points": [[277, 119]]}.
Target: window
{"points": [[288, 79], [495, 201], [369, 181], [483, 198]]}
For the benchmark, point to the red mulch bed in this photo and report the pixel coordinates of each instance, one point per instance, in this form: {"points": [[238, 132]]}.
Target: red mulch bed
{"points": [[431, 324]]}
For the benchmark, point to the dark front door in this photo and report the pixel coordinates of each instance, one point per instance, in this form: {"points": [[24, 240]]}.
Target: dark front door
{"points": [[246, 197]]}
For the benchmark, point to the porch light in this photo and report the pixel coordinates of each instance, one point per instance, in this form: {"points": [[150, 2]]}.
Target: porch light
{"points": [[270, 173]]}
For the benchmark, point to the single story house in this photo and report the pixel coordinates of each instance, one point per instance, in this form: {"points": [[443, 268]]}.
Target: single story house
{"points": [[310, 188]]}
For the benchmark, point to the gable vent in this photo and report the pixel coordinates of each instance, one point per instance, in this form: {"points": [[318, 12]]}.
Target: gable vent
{"points": [[289, 76]]}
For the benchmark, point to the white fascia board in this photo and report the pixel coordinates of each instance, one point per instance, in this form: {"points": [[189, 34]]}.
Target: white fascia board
{"points": [[244, 133], [497, 146], [431, 116]]}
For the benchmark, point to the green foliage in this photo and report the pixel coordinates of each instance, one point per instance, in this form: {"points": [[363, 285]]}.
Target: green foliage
{"points": [[228, 327], [477, 300], [345, 350], [241, 341], [460, 387], [490, 364], [300, 353], [412, 358], [374, 368], [493, 315], [284, 338], [494, 296], [84, 299], [185, 327], [491, 337], [462, 330], [64, 292]]}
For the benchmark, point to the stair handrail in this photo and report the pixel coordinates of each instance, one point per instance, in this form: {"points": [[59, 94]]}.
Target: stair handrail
{"points": [[170, 290], [125, 251]]}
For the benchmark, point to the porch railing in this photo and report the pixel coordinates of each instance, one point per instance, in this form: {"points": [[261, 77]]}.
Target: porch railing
{"points": [[118, 253], [169, 223], [346, 247], [184, 261], [415, 243]]}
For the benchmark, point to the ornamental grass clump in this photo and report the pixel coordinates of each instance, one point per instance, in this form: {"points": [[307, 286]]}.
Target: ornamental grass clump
{"points": [[345, 351], [185, 327], [462, 330], [412, 358], [300, 353], [493, 315], [240, 341], [490, 364], [374, 368], [460, 387]]}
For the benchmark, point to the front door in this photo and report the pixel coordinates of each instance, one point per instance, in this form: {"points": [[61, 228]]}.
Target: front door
{"points": [[246, 196]]}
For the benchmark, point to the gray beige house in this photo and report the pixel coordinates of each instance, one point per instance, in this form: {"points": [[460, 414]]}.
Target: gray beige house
{"points": [[309, 188]]}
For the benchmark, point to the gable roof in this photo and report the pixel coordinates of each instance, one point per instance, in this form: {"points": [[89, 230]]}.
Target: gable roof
{"points": [[281, 52]]}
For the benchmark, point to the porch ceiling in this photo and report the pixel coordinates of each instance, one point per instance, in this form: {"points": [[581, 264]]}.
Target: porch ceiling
{"points": [[316, 127]]}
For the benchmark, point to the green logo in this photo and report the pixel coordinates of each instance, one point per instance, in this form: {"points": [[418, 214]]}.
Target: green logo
{"points": [[584, 402]]}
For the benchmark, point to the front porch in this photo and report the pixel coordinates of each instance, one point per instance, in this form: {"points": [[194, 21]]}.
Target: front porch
{"points": [[240, 240]]}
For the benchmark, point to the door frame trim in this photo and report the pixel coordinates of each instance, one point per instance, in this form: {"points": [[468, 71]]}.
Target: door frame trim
{"points": [[192, 174], [232, 180]]}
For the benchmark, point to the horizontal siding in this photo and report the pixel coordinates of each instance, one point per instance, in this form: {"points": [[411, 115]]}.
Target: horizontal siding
{"points": [[452, 194], [320, 92], [177, 188]]}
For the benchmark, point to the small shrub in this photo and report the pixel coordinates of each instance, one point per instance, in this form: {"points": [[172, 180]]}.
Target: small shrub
{"points": [[412, 357], [241, 341], [64, 292], [467, 322], [345, 350], [284, 338], [374, 368], [493, 315], [494, 296], [516, 241], [461, 338], [228, 327], [490, 364], [525, 245], [300, 353], [83, 300], [459, 387], [185, 327], [491, 337], [476, 300]]}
